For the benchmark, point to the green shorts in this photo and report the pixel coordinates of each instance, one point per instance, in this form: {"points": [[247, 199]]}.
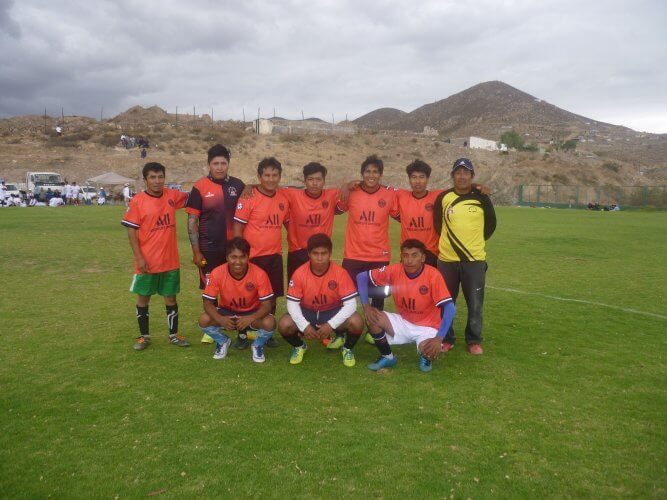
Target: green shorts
{"points": [[166, 284]]}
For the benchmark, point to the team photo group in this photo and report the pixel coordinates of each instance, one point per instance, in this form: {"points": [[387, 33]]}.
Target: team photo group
{"points": [[236, 234]]}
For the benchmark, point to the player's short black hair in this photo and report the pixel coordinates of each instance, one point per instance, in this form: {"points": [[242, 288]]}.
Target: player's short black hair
{"points": [[153, 166], [419, 166], [413, 243], [312, 168], [238, 243], [372, 160], [319, 240], [270, 162], [219, 150]]}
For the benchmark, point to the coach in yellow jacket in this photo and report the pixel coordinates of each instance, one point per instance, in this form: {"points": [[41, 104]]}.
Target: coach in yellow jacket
{"points": [[465, 219]]}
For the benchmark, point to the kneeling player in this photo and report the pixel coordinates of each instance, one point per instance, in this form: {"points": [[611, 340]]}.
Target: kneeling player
{"points": [[243, 293], [419, 291], [321, 303]]}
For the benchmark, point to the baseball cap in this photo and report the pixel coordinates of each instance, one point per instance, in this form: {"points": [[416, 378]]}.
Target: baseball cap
{"points": [[463, 163]]}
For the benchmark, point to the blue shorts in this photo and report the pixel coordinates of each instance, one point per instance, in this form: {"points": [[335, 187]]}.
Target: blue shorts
{"points": [[317, 318]]}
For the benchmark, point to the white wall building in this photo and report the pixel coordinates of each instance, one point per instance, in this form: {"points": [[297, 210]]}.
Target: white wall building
{"points": [[479, 143]]}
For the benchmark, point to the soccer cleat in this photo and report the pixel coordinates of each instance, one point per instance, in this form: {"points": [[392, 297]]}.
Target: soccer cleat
{"points": [[205, 339], [272, 343], [446, 347], [425, 364], [382, 362], [369, 338], [475, 349], [221, 349], [257, 353], [178, 341], [142, 343], [336, 343], [348, 357], [241, 343], [297, 355]]}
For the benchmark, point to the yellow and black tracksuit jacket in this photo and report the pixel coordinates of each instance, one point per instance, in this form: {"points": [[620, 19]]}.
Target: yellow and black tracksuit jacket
{"points": [[464, 223]]}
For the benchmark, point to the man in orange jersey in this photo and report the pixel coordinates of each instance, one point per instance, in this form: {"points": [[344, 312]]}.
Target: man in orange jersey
{"points": [[419, 291], [321, 303], [238, 296], [210, 209], [151, 227], [367, 234], [259, 220]]}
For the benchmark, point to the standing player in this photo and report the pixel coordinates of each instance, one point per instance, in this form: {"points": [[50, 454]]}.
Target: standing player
{"points": [[260, 219], [238, 295], [464, 218], [321, 303], [210, 209], [419, 291], [127, 194], [151, 228]]}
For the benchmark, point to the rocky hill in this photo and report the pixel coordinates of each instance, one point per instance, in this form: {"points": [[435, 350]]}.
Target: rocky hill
{"points": [[381, 119]]}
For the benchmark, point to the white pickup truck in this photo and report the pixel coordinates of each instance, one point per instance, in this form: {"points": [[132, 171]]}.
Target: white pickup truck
{"points": [[40, 182]]}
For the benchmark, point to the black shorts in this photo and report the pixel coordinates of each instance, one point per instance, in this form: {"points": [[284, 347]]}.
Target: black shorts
{"points": [[431, 259], [273, 266], [213, 260], [228, 312], [295, 260], [317, 318], [354, 267]]}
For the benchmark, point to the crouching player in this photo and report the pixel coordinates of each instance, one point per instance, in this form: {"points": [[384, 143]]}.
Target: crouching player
{"points": [[321, 303], [243, 293], [419, 291]]}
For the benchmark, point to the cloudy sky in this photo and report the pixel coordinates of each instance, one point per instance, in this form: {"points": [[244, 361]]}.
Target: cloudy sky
{"points": [[606, 60]]}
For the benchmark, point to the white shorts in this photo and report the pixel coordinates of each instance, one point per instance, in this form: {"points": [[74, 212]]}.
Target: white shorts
{"points": [[406, 332]]}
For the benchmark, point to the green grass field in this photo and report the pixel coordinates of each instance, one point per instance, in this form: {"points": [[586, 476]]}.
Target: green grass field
{"points": [[569, 399]]}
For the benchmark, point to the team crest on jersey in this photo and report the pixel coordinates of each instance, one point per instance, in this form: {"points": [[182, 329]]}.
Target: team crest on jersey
{"points": [[332, 285], [382, 203], [171, 203], [325, 204], [232, 191], [450, 210], [250, 286], [423, 289], [291, 283], [281, 206], [429, 207], [239, 206]]}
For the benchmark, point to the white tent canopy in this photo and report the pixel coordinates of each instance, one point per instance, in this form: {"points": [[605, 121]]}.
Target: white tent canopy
{"points": [[110, 179]]}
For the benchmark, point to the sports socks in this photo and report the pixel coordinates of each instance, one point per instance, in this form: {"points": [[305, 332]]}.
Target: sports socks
{"points": [[172, 319], [294, 340], [263, 337], [382, 344], [351, 340], [142, 318], [215, 332]]}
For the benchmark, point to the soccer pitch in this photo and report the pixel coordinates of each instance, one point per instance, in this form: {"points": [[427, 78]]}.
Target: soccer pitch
{"points": [[569, 399]]}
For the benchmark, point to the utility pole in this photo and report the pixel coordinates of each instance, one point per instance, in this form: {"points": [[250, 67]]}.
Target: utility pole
{"points": [[101, 113], [243, 109], [45, 131], [303, 118], [176, 116]]}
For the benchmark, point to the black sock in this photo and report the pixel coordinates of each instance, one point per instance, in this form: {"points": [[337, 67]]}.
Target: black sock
{"points": [[294, 340], [381, 343], [350, 340], [172, 319], [142, 318], [243, 334]]}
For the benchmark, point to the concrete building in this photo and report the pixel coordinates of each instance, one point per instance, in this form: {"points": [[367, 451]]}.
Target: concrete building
{"points": [[475, 143], [264, 126]]}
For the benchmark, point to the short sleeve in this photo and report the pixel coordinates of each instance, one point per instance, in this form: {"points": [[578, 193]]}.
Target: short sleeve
{"points": [[347, 289], [132, 217], [212, 290], [295, 288], [180, 199], [194, 205], [439, 290], [380, 276], [243, 211], [264, 286], [393, 210]]}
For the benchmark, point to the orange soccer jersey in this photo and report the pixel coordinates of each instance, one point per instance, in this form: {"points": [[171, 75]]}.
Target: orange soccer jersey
{"points": [[263, 217], [321, 293], [417, 299], [367, 233], [309, 216], [417, 218], [240, 295], [154, 218]]}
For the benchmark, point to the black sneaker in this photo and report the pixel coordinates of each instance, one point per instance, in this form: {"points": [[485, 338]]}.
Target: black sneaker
{"points": [[241, 343], [272, 343]]}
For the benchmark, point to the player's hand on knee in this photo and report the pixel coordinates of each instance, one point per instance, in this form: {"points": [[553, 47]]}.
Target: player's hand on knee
{"points": [[310, 333], [431, 348]]}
